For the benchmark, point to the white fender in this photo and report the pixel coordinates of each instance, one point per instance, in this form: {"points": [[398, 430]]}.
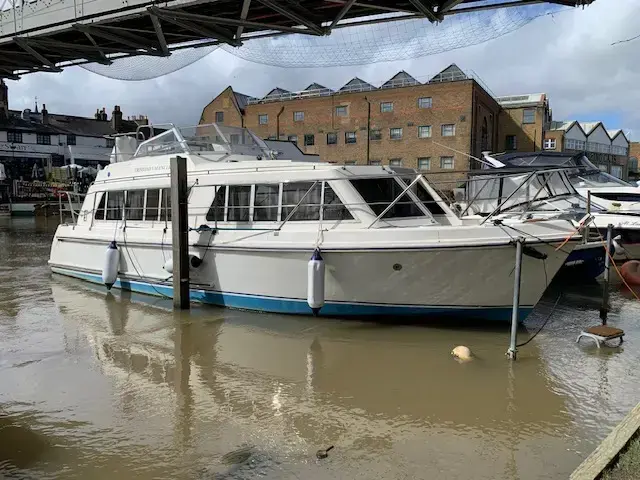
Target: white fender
{"points": [[315, 282], [194, 262], [111, 264]]}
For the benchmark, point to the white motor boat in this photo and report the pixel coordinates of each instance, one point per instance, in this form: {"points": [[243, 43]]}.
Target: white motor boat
{"points": [[621, 200], [389, 243]]}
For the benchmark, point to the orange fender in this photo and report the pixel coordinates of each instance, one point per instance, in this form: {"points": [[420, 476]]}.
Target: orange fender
{"points": [[630, 271]]}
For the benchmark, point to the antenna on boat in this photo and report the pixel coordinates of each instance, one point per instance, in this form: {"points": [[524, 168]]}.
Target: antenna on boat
{"points": [[484, 162]]}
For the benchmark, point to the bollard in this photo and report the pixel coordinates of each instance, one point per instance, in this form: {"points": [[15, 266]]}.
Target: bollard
{"points": [[512, 352], [604, 309], [179, 233]]}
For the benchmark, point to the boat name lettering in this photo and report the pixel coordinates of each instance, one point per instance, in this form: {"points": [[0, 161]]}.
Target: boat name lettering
{"points": [[151, 168]]}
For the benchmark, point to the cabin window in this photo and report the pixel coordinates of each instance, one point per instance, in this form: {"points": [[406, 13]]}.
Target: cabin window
{"points": [[99, 215], [265, 203], [115, 203], [134, 205], [379, 193], [153, 201], [424, 196], [165, 205], [216, 211], [332, 208], [238, 203], [292, 194]]}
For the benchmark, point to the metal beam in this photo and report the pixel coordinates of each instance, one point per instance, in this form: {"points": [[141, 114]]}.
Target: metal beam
{"points": [[23, 43], [133, 41], [448, 5], [78, 47], [243, 16], [345, 9], [272, 4], [160, 34], [101, 57], [424, 10], [208, 32], [168, 15]]}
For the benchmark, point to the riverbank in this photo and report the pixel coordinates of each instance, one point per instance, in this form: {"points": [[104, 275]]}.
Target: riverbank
{"points": [[628, 465]]}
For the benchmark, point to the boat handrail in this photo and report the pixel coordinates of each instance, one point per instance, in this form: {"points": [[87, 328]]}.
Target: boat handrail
{"points": [[69, 195]]}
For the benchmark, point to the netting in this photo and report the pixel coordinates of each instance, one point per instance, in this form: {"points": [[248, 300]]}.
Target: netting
{"points": [[349, 45]]}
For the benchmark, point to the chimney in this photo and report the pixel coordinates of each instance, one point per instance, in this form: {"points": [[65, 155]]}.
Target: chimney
{"points": [[97, 115], [103, 115], [116, 119], [45, 115], [4, 99]]}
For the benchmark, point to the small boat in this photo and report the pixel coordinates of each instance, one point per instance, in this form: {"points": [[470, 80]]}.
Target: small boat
{"points": [[620, 200], [387, 242]]}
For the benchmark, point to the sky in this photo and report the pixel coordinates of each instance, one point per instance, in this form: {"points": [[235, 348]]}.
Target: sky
{"points": [[571, 56]]}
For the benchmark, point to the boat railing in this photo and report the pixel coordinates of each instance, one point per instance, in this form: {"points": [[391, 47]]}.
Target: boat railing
{"points": [[71, 198]]}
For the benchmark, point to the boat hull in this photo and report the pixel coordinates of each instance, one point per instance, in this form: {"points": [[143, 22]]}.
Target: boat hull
{"points": [[469, 282]]}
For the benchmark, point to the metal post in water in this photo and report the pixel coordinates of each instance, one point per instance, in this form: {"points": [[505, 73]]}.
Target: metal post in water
{"points": [[512, 352], [604, 309], [179, 233], [586, 228]]}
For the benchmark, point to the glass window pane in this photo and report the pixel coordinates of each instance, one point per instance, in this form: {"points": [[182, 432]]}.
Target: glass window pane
{"points": [[135, 205], [378, 193], [265, 203], [333, 208], [115, 202], [165, 211], [309, 209], [99, 215], [216, 210], [153, 199], [238, 204]]}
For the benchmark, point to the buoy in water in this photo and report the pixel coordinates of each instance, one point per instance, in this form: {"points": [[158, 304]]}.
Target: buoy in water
{"points": [[111, 263], [630, 271], [315, 282], [462, 353]]}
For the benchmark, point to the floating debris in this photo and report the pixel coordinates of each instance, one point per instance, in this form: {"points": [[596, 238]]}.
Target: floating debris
{"points": [[323, 453], [462, 353]]}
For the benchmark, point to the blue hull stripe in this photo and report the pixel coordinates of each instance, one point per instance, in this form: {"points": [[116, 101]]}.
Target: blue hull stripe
{"points": [[300, 307]]}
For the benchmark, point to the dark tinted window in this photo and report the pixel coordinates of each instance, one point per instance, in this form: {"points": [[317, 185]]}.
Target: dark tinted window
{"points": [[165, 209], [153, 200], [238, 205], [115, 203], [265, 203], [333, 208], [100, 210], [216, 211], [135, 204], [292, 193], [619, 197], [425, 197], [378, 193]]}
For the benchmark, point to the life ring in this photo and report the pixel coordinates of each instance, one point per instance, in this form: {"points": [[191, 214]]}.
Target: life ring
{"points": [[630, 272]]}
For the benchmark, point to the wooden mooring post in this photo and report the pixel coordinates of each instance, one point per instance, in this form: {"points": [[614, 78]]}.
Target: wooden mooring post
{"points": [[179, 233], [608, 451]]}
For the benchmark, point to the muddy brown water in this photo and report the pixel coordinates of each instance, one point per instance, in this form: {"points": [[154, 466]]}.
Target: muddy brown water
{"points": [[116, 385]]}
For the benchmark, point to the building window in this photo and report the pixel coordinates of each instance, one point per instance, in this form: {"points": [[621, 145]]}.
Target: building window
{"points": [[263, 119], [448, 130], [375, 135], [616, 171], [298, 116], [549, 143], [511, 143], [424, 102], [446, 163], [341, 111], [309, 139], [386, 107], [111, 142], [395, 133], [424, 163], [375, 162], [424, 131], [14, 137], [71, 139], [43, 139], [332, 138], [349, 162], [219, 117], [293, 139], [395, 162], [529, 115], [350, 137]]}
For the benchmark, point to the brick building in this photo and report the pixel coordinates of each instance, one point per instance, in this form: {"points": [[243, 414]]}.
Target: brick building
{"points": [[523, 121], [430, 126]]}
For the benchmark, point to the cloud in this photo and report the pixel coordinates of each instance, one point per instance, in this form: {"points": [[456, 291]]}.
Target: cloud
{"points": [[567, 55]]}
